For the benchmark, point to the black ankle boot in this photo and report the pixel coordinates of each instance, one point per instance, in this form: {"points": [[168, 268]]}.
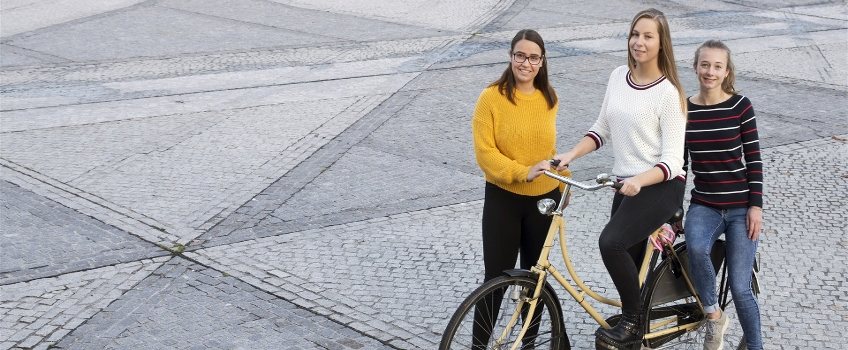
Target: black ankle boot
{"points": [[627, 334]]}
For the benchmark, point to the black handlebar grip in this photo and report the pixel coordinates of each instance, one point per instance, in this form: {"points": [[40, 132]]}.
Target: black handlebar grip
{"points": [[617, 185], [554, 162]]}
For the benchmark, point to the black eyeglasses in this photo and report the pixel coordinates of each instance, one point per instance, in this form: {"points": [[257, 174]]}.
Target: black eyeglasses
{"points": [[520, 57]]}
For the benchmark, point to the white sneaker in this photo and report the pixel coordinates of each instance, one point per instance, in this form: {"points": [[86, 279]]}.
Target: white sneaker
{"points": [[714, 329]]}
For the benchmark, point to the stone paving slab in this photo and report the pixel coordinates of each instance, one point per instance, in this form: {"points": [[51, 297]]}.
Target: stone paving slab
{"points": [[401, 254], [315, 22], [806, 295], [139, 32], [233, 136], [40, 312], [19, 75], [459, 16], [87, 204], [180, 104], [26, 16], [825, 10], [324, 197], [242, 224], [154, 151], [182, 298], [259, 82], [42, 238]]}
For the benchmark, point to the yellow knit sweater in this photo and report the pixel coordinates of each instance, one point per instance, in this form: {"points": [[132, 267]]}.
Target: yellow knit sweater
{"points": [[511, 138]]}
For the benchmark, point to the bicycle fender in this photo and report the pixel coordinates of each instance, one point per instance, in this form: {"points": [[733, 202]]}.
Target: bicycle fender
{"points": [[520, 273]]}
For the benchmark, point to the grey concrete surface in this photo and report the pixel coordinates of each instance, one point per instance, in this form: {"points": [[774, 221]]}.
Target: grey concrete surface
{"points": [[295, 174]]}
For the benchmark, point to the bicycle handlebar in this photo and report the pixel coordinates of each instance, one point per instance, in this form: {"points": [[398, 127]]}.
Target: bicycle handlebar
{"points": [[603, 180]]}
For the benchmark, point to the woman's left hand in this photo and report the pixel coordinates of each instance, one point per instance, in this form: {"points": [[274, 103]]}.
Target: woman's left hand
{"points": [[754, 221]]}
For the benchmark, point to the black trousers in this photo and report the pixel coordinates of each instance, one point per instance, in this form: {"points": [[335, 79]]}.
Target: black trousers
{"points": [[632, 220], [511, 223]]}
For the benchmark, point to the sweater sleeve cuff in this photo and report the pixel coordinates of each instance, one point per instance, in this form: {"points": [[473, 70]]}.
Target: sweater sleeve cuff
{"points": [[665, 169], [755, 199], [597, 138], [521, 174]]}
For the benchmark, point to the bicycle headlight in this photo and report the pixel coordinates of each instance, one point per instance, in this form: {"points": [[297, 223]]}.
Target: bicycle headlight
{"points": [[546, 206]]}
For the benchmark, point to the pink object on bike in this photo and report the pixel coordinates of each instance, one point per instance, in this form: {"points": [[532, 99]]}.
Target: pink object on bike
{"points": [[667, 236]]}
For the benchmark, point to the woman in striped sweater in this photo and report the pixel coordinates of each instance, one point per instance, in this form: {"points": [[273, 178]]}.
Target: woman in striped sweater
{"points": [[644, 116], [724, 149]]}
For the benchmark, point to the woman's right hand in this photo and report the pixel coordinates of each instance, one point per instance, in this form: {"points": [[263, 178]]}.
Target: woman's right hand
{"points": [[564, 159], [538, 169], [585, 146]]}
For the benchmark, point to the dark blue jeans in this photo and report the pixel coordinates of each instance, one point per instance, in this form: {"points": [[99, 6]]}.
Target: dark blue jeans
{"points": [[704, 225]]}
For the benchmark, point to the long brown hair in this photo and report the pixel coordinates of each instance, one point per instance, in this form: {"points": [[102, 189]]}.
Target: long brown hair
{"points": [[666, 56], [506, 83], [727, 84]]}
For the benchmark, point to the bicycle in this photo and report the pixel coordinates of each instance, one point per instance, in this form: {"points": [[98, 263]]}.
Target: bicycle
{"points": [[532, 315]]}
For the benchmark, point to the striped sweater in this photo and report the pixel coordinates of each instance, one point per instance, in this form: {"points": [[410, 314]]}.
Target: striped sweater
{"points": [[723, 148]]}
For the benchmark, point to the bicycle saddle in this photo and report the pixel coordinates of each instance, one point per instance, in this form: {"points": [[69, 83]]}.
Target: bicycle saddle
{"points": [[678, 215]]}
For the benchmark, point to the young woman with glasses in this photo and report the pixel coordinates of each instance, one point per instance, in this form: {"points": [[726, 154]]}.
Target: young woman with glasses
{"points": [[644, 116], [514, 130]]}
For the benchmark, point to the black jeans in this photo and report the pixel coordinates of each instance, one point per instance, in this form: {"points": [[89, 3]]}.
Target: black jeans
{"points": [[511, 223], [623, 240]]}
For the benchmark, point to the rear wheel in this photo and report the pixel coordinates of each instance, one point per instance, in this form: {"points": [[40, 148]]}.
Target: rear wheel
{"points": [[499, 309], [668, 303]]}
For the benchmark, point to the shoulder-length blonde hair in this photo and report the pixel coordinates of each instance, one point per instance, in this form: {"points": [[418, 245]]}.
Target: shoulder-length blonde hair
{"points": [[666, 57], [727, 84]]}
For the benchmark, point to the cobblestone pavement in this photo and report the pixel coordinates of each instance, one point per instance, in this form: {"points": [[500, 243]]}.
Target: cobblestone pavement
{"points": [[293, 174]]}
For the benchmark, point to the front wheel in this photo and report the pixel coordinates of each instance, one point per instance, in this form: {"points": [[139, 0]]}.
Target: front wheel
{"points": [[493, 316]]}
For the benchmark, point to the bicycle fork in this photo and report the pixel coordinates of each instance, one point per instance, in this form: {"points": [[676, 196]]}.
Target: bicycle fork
{"points": [[516, 294]]}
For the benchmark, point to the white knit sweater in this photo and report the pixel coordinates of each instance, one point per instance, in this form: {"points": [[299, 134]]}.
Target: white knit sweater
{"points": [[645, 124]]}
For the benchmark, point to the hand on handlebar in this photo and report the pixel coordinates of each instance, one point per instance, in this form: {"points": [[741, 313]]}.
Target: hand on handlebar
{"points": [[538, 169], [561, 161], [630, 187]]}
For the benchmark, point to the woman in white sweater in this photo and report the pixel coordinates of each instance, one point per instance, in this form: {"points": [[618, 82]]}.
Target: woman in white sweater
{"points": [[644, 117]]}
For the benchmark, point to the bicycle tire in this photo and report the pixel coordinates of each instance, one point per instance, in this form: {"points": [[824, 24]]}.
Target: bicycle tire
{"points": [[668, 302], [495, 295]]}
